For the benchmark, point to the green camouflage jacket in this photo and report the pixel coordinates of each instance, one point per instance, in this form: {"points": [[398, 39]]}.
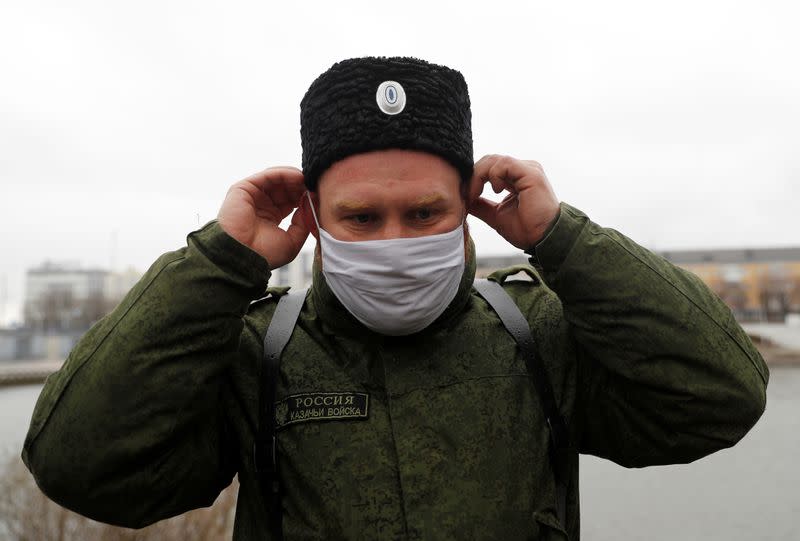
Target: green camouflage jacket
{"points": [[437, 435]]}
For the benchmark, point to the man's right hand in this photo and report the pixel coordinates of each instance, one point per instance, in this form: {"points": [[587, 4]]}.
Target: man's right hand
{"points": [[254, 208]]}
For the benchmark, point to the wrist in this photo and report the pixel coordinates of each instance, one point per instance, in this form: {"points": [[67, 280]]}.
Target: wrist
{"points": [[227, 252], [548, 227], [555, 244]]}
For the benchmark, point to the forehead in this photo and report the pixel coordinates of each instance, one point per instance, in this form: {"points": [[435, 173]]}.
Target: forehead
{"points": [[390, 174]]}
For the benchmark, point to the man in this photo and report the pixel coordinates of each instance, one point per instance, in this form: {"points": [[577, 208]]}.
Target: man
{"points": [[404, 410]]}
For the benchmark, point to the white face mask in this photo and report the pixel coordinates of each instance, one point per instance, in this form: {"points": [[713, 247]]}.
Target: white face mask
{"points": [[394, 286]]}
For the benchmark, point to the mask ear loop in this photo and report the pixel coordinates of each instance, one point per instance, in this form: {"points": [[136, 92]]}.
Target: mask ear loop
{"points": [[313, 212]]}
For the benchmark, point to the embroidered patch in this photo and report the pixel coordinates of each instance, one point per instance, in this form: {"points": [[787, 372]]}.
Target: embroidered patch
{"points": [[299, 408]]}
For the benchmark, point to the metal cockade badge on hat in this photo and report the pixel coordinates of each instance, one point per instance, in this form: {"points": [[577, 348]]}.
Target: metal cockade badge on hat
{"points": [[391, 97]]}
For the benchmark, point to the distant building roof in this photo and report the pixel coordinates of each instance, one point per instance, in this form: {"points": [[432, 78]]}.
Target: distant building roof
{"points": [[56, 268], [736, 255]]}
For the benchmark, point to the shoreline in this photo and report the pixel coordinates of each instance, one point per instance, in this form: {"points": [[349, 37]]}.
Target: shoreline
{"points": [[777, 356], [15, 373], [774, 354]]}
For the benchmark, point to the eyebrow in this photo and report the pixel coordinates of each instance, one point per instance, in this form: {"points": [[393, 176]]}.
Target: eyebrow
{"points": [[357, 205], [352, 205], [431, 199]]}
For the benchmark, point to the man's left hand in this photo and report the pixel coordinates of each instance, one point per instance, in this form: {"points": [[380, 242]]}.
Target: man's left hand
{"points": [[531, 206]]}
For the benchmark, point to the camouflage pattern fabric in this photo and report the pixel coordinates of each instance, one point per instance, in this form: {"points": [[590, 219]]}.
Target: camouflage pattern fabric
{"points": [[438, 435]]}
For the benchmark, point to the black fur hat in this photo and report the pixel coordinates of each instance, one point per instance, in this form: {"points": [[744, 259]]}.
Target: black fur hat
{"points": [[365, 104]]}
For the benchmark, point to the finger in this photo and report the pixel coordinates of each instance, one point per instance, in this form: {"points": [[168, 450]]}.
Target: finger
{"points": [[289, 178], [280, 197], [480, 175], [492, 169], [498, 185], [505, 172], [509, 202], [485, 210], [483, 165], [271, 205], [276, 175], [487, 160], [286, 197], [476, 184], [290, 186], [306, 212], [297, 231]]}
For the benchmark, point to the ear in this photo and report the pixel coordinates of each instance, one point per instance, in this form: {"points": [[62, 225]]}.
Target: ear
{"points": [[308, 217]]}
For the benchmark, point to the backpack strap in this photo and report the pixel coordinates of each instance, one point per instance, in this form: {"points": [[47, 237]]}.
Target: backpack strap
{"points": [[265, 450], [518, 327]]}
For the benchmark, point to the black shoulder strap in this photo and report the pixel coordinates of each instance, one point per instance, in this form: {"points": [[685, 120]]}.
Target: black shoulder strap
{"points": [[265, 453], [516, 324]]}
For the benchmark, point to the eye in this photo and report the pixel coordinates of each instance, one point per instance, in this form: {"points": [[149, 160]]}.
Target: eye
{"points": [[360, 218], [423, 214]]}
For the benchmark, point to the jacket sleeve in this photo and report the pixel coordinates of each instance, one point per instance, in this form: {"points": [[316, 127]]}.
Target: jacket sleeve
{"points": [[129, 430], [666, 375]]}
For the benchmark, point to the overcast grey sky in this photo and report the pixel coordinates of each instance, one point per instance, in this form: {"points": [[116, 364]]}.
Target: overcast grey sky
{"points": [[676, 123]]}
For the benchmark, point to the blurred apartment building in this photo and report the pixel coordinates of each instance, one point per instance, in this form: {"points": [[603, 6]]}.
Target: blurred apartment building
{"points": [[758, 284], [62, 300]]}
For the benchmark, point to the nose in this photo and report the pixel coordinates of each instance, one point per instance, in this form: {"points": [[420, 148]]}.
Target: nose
{"points": [[395, 229]]}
